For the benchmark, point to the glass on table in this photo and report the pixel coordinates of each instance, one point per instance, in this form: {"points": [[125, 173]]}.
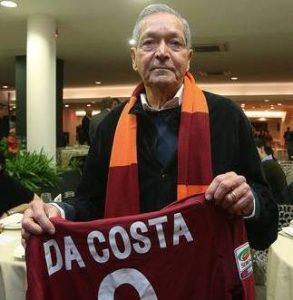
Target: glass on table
{"points": [[46, 197]]}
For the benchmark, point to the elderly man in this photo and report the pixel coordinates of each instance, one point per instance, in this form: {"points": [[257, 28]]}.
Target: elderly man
{"points": [[168, 142]]}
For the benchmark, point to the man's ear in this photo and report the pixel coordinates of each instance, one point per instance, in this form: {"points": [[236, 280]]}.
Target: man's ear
{"points": [[190, 53], [133, 56]]}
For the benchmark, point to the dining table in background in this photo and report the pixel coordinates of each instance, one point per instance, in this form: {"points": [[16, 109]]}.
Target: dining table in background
{"points": [[280, 269], [12, 266], [69, 152]]}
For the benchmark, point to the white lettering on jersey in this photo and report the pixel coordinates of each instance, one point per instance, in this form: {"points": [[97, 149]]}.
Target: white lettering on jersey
{"points": [[49, 247], [71, 254], [126, 276], [119, 231], [160, 232], [104, 256], [145, 243], [180, 229]]}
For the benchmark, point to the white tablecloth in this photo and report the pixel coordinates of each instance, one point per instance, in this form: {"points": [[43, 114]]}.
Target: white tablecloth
{"points": [[280, 270], [72, 151], [12, 270]]}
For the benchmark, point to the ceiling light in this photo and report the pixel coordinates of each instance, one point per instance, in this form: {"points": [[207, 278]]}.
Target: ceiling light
{"points": [[234, 78], [88, 105], [266, 114], [266, 100], [272, 107], [98, 82], [4, 86], [280, 104], [80, 113], [262, 119], [8, 3], [66, 105], [132, 42]]}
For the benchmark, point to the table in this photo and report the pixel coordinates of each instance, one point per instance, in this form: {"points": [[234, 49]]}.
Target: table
{"points": [[67, 153], [12, 270], [287, 167], [280, 270], [281, 153]]}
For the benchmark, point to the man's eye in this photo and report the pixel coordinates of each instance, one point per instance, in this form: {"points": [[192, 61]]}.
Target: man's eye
{"points": [[175, 44], [148, 44]]}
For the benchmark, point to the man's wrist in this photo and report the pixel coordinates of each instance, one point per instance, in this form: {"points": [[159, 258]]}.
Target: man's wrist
{"points": [[60, 209]]}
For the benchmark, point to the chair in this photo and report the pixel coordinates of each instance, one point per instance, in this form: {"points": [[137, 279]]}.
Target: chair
{"points": [[285, 215], [287, 167]]}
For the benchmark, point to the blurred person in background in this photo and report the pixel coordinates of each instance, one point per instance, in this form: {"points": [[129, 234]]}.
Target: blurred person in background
{"points": [[107, 104], [4, 121], [267, 137], [289, 140], [85, 126], [286, 136], [272, 169]]}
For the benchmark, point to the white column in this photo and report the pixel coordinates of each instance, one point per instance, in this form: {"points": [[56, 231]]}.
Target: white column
{"points": [[41, 84]]}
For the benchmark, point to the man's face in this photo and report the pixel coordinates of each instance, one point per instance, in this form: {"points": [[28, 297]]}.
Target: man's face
{"points": [[161, 57]]}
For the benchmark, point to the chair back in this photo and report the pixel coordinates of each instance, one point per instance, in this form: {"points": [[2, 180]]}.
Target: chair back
{"points": [[285, 215]]}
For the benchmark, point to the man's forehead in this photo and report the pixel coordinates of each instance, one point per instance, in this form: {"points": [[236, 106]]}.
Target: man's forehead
{"points": [[166, 22]]}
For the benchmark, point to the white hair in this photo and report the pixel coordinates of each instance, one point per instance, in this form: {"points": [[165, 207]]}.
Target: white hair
{"points": [[157, 8]]}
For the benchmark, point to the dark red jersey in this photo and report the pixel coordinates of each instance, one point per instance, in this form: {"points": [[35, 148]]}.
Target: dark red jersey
{"points": [[189, 250]]}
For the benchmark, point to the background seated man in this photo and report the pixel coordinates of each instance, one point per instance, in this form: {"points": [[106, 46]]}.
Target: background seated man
{"points": [[273, 171]]}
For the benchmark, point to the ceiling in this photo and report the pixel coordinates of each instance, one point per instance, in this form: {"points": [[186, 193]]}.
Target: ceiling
{"points": [[93, 39]]}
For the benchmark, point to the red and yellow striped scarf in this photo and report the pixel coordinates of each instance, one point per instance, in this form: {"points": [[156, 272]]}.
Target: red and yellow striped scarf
{"points": [[194, 153]]}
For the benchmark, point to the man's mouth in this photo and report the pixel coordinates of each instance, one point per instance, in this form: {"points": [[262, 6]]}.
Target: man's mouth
{"points": [[161, 68]]}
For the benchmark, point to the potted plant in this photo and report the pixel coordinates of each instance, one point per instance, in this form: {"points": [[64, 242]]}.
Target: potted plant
{"points": [[34, 170]]}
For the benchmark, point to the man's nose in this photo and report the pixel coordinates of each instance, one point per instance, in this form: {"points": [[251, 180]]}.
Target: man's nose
{"points": [[162, 50]]}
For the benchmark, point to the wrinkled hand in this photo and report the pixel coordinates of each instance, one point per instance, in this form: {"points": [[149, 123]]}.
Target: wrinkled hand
{"points": [[36, 219], [231, 192]]}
